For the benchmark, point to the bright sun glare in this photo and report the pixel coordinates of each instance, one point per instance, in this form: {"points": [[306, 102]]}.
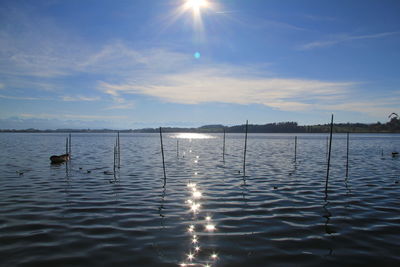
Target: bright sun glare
{"points": [[197, 4]]}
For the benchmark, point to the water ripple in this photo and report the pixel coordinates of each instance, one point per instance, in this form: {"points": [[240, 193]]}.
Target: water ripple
{"points": [[278, 215]]}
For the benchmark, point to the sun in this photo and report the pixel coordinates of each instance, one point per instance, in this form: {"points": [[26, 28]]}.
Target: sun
{"points": [[196, 4]]}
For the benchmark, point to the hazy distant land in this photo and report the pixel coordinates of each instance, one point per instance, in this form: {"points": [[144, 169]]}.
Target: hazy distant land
{"points": [[393, 126]]}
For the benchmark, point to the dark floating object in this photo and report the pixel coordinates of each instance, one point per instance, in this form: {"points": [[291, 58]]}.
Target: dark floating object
{"points": [[89, 171], [20, 173], [396, 182], [80, 168], [108, 173], [395, 154], [275, 187], [59, 159]]}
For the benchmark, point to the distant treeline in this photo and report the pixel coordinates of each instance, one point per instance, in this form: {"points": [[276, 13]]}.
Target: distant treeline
{"points": [[289, 127], [393, 126]]}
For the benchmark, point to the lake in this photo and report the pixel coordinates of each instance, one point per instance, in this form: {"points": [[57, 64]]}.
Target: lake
{"points": [[206, 213]]}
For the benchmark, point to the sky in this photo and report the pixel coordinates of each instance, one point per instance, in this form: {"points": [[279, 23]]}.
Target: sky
{"points": [[149, 63]]}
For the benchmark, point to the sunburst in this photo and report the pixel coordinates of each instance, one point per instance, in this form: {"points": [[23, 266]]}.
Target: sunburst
{"points": [[196, 4]]}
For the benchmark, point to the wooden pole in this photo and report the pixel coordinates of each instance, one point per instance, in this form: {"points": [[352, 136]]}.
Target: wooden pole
{"points": [[115, 152], [162, 154], [66, 146], [177, 148], [223, 147], [119, 152], [70, 145], [295, 148], [347, 155], [329, 157], [327, 146], [245, 150]]}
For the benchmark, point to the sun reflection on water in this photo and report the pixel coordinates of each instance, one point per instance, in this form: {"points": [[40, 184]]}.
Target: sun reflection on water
{"points": [[197, 254], [192, 136]]}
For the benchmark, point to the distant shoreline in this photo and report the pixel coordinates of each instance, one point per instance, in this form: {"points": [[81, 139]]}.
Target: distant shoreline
{"points": [[282, 127]]}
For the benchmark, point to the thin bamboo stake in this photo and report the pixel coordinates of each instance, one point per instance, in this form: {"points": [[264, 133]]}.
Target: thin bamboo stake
{"points": [[66, 145], [70, 145], [347, 155], [329, 157], [223, 147], [119, 152], [177, 148], [295, 148], [327, 146], [245, 150], [162, 154], [115, 154]]}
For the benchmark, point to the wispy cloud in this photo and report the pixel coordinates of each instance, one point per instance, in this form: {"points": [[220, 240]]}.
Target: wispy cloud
{"points": [[215, 85], [320, 18], [70, 116], [378, 107], [345, 38], [80, 98], [39, 57], [265, 23], [24, 98], [121, 106]]}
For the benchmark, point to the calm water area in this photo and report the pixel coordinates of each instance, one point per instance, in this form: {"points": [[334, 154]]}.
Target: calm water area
{"points": [[206, 213]]}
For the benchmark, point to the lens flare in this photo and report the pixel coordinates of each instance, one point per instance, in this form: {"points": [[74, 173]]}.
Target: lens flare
{"points": [[197, 55]]}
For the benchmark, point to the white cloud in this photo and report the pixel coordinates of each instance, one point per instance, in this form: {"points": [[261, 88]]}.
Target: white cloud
{"points": [[345, 38], [40, 56], [214, 85]]}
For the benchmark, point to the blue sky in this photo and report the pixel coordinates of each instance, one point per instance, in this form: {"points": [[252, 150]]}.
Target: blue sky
{"points": [[133, 64]]}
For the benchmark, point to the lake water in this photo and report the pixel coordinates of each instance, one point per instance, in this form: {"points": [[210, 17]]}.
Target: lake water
{"points": [[208, 213]]}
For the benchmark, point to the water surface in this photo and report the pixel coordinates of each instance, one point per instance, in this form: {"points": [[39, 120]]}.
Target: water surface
{"points": [[206, 212]]}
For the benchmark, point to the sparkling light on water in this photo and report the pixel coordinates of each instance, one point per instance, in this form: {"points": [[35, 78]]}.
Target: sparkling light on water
{"points": [[192, 136], [210, 227]]}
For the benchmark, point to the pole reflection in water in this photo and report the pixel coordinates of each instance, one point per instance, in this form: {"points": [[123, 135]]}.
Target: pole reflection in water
{"points": [[328, 229], [161, 208]]}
